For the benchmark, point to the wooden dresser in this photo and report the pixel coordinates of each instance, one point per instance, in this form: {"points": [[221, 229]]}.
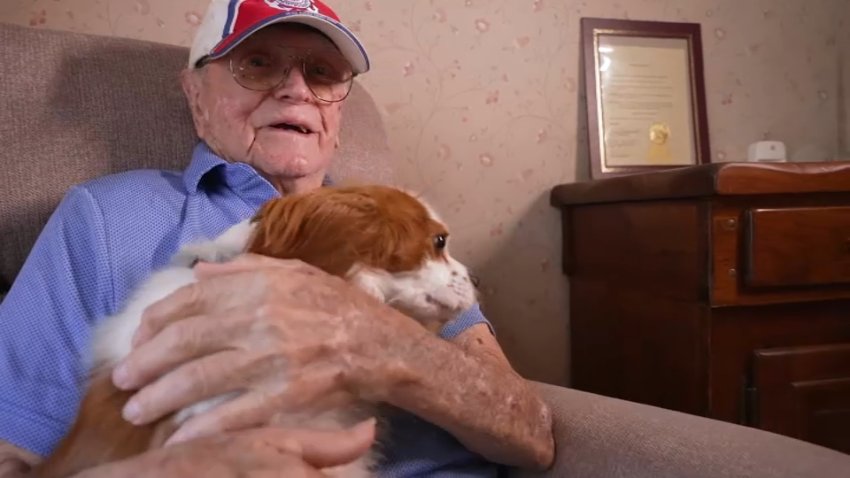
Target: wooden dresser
{"points": [[720, 290]]}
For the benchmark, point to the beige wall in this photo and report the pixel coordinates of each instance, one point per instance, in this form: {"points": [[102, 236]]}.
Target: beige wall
{"points": [[481, 102], [843, 82]]}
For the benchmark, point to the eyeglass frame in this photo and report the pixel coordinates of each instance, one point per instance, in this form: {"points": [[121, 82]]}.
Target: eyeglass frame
{"points": [[205, 60]]}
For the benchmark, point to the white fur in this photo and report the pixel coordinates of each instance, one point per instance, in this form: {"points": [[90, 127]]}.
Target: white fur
{"points": [[228, 245], [113, 337], [432, 294]]}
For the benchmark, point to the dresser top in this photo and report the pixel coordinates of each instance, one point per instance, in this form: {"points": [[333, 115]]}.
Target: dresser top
{"points": [[718, 179]]}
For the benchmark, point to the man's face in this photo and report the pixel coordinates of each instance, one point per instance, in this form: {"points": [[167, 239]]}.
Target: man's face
{"points": [[287, 133]]}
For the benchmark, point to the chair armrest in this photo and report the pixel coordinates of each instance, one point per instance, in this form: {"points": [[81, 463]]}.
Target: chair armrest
{"points": [[598, 436]]}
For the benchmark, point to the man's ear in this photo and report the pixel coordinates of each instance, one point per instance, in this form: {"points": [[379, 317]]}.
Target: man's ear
{"points": [[191, 80]]}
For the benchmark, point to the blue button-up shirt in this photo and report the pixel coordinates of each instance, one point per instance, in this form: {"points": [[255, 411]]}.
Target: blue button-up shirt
{"points": [[105, 237]]}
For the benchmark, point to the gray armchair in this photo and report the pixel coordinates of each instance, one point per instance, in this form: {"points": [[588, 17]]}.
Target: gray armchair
{"points": [[75, 107]]}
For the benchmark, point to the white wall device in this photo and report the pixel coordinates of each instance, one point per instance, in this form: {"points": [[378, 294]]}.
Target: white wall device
{"points": [[767, 151]]}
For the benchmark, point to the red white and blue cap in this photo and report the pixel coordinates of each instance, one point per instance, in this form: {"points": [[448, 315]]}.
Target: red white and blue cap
{"points": [[228, 22]]}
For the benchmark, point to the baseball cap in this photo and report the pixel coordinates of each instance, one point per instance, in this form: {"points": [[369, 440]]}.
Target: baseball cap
{"points": [[228, 22]]}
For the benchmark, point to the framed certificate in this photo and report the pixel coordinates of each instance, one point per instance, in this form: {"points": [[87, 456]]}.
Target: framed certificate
{"points": [[645, 95]]}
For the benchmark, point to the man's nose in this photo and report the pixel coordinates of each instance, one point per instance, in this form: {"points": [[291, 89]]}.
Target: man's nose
{"points": [[294, 85]]}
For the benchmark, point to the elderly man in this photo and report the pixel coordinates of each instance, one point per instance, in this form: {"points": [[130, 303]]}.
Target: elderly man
{"points": [[266, 84]]}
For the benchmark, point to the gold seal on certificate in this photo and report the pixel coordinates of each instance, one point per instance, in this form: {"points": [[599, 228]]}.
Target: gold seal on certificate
{"points": [[659, 152], [658, 133]]}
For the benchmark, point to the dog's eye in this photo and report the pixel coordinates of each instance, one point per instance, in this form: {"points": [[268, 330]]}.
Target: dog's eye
{"points": [[440, 242]]}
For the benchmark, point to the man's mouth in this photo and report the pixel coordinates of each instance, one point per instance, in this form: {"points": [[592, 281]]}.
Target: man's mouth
{"points": [[297, 128]]}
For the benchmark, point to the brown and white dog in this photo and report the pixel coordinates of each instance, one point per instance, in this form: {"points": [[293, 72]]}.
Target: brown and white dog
{"points": [[384, 240]]}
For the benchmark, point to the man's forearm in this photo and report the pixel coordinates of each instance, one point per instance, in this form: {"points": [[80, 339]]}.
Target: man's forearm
{"points": [[479, 399]]}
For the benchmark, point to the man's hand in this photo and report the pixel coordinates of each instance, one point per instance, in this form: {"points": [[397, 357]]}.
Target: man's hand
{"points": [[14, 461], [288, 336], [256, 453]]}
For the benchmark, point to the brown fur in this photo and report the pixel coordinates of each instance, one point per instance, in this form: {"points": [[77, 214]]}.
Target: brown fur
{"points": [[330, 228], [100, 434], [378, 225]]}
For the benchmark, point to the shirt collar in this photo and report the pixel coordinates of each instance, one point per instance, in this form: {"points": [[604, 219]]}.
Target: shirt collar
{"points": [[203, 162], [238, 176]]}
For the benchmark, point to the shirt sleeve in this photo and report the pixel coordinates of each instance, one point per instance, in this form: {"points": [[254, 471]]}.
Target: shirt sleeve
{"points": [[46, 321], [464, 321]]}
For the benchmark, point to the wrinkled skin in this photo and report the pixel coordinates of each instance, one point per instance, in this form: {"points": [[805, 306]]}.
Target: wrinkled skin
{"points": [[256, 453], [293, 336], [237, 123]]}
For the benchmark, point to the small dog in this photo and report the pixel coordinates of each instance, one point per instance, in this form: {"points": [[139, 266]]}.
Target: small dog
{"points": [[382, 239]]}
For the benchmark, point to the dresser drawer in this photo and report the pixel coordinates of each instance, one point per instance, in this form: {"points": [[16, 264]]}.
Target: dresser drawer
{"points": [[797, 247], [804, 392]]}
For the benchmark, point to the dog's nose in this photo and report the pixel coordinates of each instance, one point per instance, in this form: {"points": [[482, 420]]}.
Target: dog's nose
{"points": [[475, 280]]}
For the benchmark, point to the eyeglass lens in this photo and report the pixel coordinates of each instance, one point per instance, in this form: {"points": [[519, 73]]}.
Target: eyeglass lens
{"points": [[328, 75]]}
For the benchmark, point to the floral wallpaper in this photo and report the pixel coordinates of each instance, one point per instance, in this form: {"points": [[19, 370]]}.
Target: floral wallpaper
{"points": [[482, 105]]}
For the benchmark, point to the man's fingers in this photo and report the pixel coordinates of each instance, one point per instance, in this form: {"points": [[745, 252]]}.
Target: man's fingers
{"points": [[184, 302], [178, 343], [298, 470], [318, 448], [260, 453], [242, 263], [255, 407], [332, 400], [190, 383], [339, 448], [192, 300], [245, 411]]}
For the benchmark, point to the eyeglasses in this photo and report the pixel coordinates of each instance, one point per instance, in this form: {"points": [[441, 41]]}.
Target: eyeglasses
{"points": [[328, 74]]}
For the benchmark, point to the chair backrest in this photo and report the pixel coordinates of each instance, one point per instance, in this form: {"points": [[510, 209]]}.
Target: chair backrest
{"points": [[74, 107]]}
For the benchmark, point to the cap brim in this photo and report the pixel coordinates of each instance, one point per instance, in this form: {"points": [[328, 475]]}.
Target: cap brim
{"points": [[342, 37]]}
